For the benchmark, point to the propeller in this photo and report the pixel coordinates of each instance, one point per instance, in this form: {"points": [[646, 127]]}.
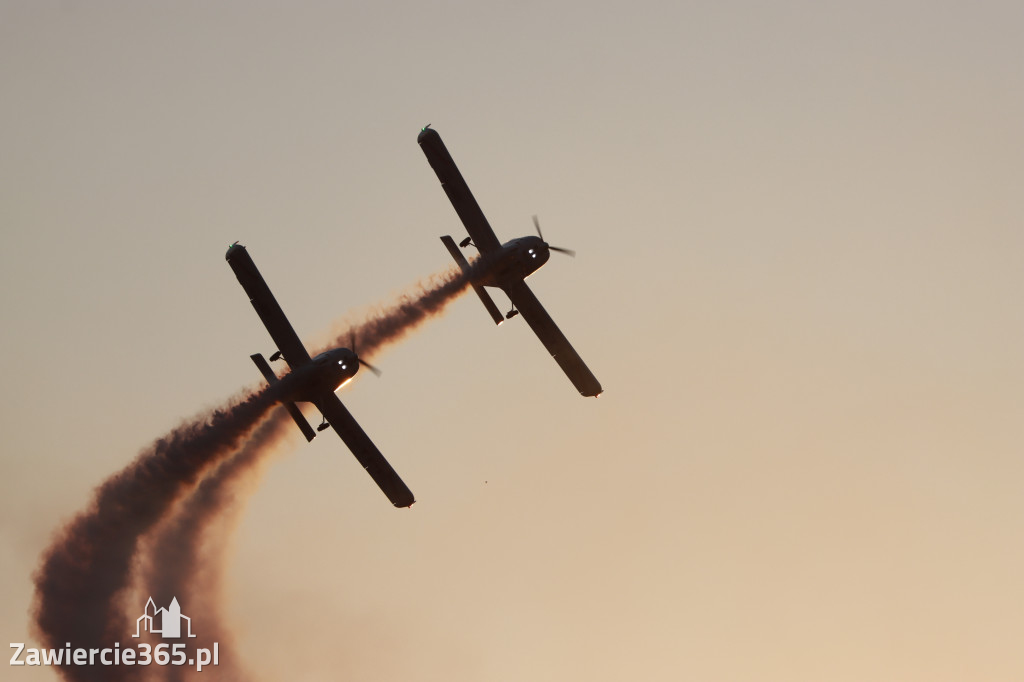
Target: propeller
{"points": [[362, 362], [567, 252]]}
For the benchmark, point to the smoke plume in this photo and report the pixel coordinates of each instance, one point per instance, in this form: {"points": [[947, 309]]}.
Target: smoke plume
{"points": [[186, 553], [86, 571], [392, 322]]}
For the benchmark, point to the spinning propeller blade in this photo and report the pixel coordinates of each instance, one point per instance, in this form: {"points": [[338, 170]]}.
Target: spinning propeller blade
{"points": [[567, 252], [362, 362]]}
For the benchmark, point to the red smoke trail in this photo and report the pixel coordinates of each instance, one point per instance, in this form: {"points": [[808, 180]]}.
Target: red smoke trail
{"points": [[397, 319], [189, 549], [85, 573]]}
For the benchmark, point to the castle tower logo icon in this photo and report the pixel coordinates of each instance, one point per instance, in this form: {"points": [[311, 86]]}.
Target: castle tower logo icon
{"points": [[170, 620]]}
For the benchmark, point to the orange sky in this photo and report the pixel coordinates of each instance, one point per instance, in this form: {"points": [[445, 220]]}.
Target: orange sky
{"points": [[799, 281]]}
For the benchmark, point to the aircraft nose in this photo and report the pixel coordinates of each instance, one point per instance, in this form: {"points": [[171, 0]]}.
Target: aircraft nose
{"points": [[543, 252], [350, 361]]}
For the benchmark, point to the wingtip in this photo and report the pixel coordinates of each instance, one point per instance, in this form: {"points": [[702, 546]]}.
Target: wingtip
{"points": [[232, 250], [425, 133]]}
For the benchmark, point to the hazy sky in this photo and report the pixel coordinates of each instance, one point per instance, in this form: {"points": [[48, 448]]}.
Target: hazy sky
{"points": [[801, 260]]}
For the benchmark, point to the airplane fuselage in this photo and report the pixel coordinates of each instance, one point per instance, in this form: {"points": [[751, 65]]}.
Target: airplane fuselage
{"points": [[313, 380], [328, 372], [518, 259], [505, 266]]}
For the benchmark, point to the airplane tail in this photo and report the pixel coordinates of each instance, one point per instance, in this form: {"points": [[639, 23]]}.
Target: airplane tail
{"points": [[485, 298], [292, 408]]}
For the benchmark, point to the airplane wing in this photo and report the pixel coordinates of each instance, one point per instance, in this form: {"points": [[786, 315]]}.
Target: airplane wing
{"points": [[364, 450], [266, 306], [553, 339], [458, 191]]}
